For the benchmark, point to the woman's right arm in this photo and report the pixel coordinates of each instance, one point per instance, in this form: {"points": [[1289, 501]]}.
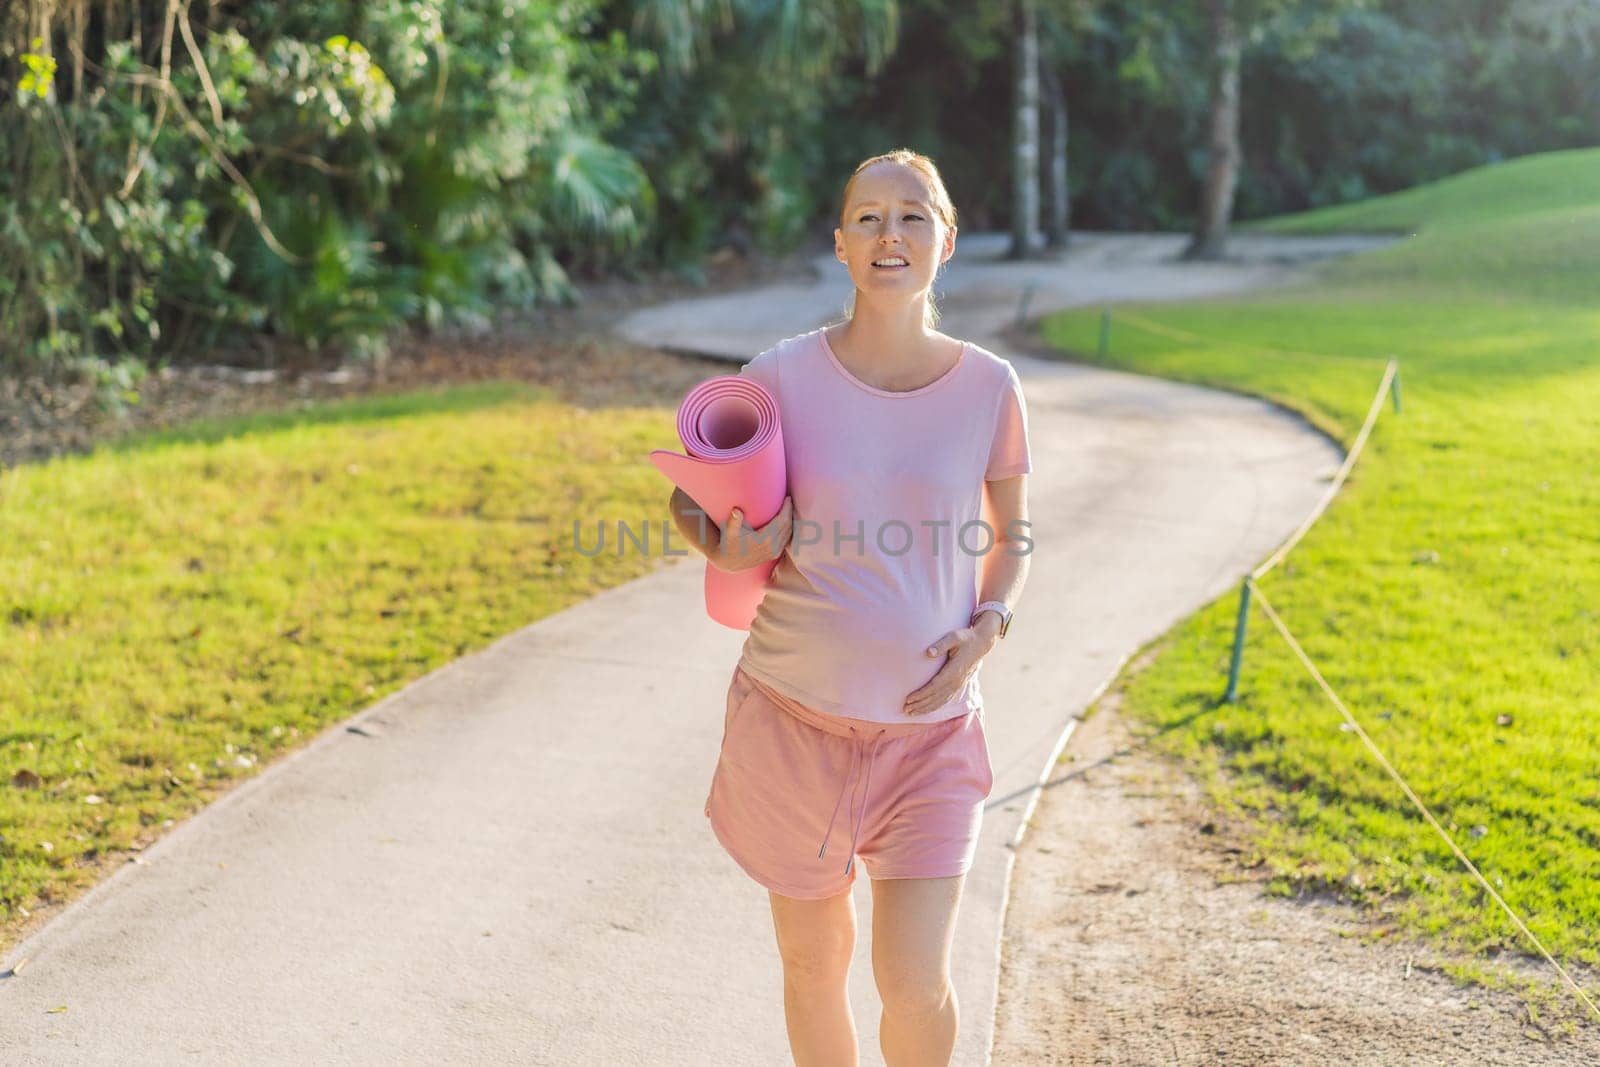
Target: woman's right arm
{"points": [[750, 547], [694, 524]]}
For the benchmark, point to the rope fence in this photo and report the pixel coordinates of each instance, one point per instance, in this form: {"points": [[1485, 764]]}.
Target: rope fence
{"points": [[1391, 379], [1420, 806], [1390, 385]]}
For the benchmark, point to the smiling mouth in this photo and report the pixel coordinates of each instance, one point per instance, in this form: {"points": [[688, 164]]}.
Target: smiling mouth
{"points": [[902, 265]]}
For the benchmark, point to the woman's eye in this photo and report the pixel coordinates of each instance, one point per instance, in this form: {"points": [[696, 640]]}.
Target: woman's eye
{"points": [[864, 218]]}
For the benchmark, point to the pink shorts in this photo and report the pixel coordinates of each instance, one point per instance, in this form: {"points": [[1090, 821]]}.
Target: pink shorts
{"points": [[797, 793]]}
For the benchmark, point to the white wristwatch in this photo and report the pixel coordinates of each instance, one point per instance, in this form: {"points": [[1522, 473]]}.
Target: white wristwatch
{"points": [[997, 606]]}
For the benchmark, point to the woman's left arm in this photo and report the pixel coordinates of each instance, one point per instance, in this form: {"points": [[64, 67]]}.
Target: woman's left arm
{"points": [[1002, 572]]}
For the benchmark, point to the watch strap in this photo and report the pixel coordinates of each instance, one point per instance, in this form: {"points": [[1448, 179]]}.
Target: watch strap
{"points": [[997, 606]]}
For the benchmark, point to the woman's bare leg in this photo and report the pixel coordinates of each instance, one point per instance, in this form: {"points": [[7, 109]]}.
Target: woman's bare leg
{"points": [[816, 939], [913, 926]]}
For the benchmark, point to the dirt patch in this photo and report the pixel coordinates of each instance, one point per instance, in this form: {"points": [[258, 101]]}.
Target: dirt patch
{"points": [[1134, 935]]}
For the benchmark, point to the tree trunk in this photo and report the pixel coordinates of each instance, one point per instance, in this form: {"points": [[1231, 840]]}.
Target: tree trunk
{"points": [[1216, 204], [1025, 135], [1057, 234]]}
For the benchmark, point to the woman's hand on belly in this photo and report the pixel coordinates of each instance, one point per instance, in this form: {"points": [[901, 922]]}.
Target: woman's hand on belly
{"points": [[963, 649]]}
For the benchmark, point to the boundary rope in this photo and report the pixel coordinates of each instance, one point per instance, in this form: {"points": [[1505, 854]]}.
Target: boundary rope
{"points": [[1338, 479], [1412, 796]]}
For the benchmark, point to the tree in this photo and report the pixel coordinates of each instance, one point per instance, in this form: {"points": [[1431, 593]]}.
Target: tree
{"points": [[1222, 163], [1057, 233], [1232, 26], [1025, 131], [1057, 25]]}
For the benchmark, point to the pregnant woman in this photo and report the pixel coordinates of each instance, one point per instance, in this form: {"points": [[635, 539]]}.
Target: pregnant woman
{"points": [[900, 549]]}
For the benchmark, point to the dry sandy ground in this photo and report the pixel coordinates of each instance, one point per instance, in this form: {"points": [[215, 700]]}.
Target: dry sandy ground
{"points": [[1124, 944]]}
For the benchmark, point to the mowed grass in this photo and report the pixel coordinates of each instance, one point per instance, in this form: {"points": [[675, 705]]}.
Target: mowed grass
{"points": [[177, 610], [1450, 594]]}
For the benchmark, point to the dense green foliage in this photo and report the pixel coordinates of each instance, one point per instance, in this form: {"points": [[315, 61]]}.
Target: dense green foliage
{"points": [[1450, 594], [321, 172], [319, 176]]}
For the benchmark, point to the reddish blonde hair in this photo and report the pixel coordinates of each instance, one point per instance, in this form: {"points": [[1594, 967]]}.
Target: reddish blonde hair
{"points": [[942, 205]]}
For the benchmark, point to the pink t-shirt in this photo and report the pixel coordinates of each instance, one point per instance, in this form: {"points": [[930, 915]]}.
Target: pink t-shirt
{"points": [[889, 531]]}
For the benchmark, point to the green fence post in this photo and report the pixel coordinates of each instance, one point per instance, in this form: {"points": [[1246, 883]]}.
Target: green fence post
{"points": [[1238, 642], [1027, 295], [1105, 331]]}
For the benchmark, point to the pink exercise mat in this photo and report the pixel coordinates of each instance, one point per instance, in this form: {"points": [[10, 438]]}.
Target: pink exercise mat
{"points": [[729, 426]]}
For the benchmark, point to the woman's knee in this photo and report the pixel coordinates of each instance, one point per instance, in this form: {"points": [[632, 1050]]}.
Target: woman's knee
{"points": [[816, 938], [910, 996]]}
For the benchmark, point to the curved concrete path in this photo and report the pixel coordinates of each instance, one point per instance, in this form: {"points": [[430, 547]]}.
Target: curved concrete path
{"points": [[507, 862]]}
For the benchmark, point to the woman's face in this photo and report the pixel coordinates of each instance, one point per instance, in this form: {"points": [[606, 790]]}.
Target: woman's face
{"points": [[891, 214]]}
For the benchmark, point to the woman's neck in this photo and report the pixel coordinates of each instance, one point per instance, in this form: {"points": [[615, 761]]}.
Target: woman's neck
{"points": [[891, 355]]}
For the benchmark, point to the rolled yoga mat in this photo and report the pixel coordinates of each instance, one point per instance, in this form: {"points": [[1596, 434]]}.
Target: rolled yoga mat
{"points": [[729, 425]]}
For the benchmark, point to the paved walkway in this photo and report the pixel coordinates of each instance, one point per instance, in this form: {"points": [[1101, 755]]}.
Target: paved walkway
{"points": [[507, 862]]}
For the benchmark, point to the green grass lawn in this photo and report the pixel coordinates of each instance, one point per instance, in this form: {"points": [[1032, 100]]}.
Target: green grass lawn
{"points": [[1450, 594], [180, 608]]}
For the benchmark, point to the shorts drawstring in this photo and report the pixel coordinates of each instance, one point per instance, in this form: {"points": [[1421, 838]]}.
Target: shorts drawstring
{"points": [[856, 833]]}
